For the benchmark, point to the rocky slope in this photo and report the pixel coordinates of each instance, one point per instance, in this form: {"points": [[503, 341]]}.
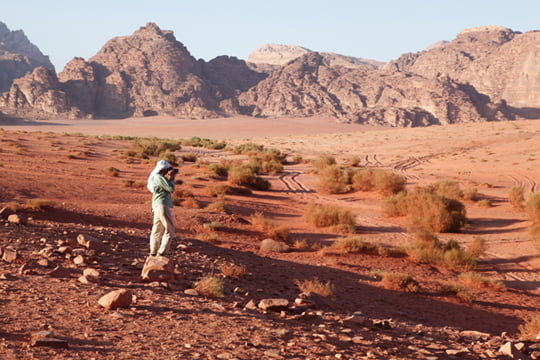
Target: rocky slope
{"points": [[484, 74], [18, 56]]}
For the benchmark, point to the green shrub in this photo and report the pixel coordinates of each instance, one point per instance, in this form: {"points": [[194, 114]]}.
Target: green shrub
{"points": [[322, 216], [147, 147]]}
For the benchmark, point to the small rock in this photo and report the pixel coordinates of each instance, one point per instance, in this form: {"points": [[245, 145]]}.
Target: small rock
{"points": [[59, 272], [312, 300], [278, 304], [251, 305], [79, 260], [191, 292], [17, 219], [10, 256], [91, 243], [157, 268], [45, 338], [92, 275], [356, 320], [510, 350], [270, 245], [457, 352], [116, 299]]}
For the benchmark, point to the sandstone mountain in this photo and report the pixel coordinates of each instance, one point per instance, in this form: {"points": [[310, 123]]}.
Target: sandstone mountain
{"points": [[484, 74], [18, 56]]}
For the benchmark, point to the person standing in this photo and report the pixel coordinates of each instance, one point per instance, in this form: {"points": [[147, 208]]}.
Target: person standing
{"points": [[161, 183]]}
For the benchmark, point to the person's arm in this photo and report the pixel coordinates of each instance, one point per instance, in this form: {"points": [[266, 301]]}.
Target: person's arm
{"points": [[162, 182]]}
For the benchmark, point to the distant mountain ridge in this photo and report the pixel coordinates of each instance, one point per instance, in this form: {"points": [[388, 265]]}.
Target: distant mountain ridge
{"points": [[485, 74]]}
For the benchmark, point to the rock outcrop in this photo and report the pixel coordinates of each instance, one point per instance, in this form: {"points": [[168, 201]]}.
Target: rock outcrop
{"points": [[18, 56], [485, 74]]}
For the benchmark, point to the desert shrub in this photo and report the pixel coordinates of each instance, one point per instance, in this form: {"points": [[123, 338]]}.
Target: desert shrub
{"points": [[322, 216], [301, 244], [516, 196], [398, 281], [534, 234], [112, 171], [395, 205], [218, 206], [196, 141], [233, 270], [147, 147], [530, 329], [486, 203], [470, 193], [533, 207], [217, 171], [476, 280], [208, 236], [448, 189], [323, 161], [168, 156], [217, 190], [189, 157], [450, 255], [210, 286], [383, 181], [426, 210], [214, 225], [325, 289], [388, 182], [39, 204], [457, 290], [269, 228], [246, 175], [478, 247], [271, 166], [353, 161], [248, 148], [333, 180], [355, 244]]}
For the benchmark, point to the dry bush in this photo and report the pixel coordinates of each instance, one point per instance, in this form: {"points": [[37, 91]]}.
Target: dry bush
{"points": [[333, 180], [191, 203], [217, 171], [233, 270], [325, 289], [271, 166], [322, 216], [363, 180], [516, 196], [448, 255], [399, 281], [189, 157], [459, 291], [168, 156], [475, 280], [426, 210], [246, 175], [301, 244], [388, 182], [448, 189], [323, 162], [478, 247], [355, 245], [218, 206], [147, 147], [470, 193], [353, 161], [39, 204], [208, 236], [531, 328], [533, 207], [217, 190], [395, 205], [269, 228], [213, 226], [485, 203], [210, 286], [13, 206]]}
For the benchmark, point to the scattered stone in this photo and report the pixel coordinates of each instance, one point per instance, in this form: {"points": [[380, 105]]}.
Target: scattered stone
{"points": [[477, 335], [79, 260], [510, 350], [17, 219], [251, 305], [383, 324], [457, 352], [157, 268], [278, 304], [65, 249], [191, 292], [116, 299], [45, 338], [312, 300], [91, 275], [59, 272], [91, 243], [270, 245], [356, 320], [11, 256]]}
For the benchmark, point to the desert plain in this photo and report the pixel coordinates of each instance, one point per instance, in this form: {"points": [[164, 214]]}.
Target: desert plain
{"points": [[65, 162]]}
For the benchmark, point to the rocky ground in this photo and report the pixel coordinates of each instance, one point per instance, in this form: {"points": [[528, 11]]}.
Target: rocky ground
{"points": [[42, 263]]}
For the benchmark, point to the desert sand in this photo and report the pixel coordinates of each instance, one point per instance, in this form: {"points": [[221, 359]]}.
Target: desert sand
{"points": [[42, 160]]}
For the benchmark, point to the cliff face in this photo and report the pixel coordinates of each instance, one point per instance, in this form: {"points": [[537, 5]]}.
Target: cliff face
{"points": [[18, 56], [484, 74]]}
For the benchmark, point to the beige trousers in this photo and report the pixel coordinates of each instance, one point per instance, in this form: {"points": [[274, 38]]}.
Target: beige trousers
{"points": [[162, 230]]}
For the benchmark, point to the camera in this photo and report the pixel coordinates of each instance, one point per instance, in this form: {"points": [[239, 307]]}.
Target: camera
{"points": [[173, 171]]}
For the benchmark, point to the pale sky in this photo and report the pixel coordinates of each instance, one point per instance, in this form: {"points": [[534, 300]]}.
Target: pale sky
{"points": [[379, 30]]}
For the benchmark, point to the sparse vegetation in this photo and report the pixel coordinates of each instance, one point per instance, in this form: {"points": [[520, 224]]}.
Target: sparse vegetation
{"points": [[145, 148], [516, 196], [457, 290], [476, 280], [189, 157], [39, 204], [383, 181], [333, 180], [269, 228], [325, 289], [399, 281], [218, 206], [208, 236], [112, 171], [355, 244], [233, 270], [321, 216], [210, 286], [531, 328]]}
